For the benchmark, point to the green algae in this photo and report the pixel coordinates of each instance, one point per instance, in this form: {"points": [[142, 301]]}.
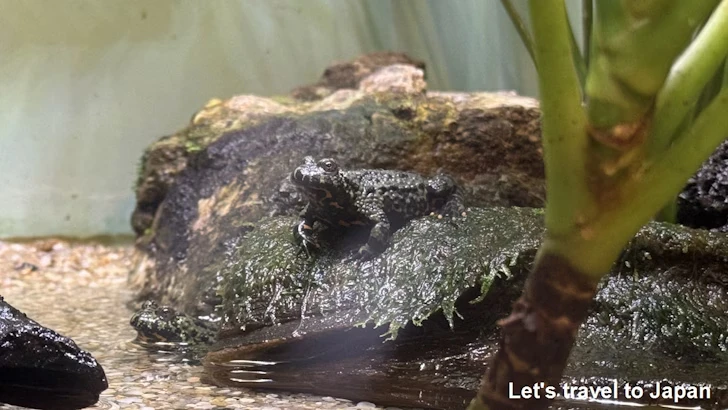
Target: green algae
{"points": [[428, 265], [667, 292]]}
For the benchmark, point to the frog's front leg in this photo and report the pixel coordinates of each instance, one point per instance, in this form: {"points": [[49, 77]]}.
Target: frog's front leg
{"points": [[304, 231], [445, 195], [454, 206], [380, 233]]}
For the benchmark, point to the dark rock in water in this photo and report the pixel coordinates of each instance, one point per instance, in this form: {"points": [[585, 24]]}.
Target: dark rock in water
{"points": [[704, 201], [41, 369], [324, 325]]}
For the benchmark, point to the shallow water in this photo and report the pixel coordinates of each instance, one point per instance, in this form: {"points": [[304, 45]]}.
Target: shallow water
{"points": [[80, 291]]}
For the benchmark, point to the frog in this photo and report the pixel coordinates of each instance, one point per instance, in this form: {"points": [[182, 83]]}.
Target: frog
{"points": [[163, 325], [376, 198]]}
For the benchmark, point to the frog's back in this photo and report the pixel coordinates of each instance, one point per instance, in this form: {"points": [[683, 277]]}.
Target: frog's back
{"points": [[402, 194]]}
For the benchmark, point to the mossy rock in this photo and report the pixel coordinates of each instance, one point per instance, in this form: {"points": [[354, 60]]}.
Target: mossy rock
{"points": [[203, 188], [431, 262], [439, 288]]}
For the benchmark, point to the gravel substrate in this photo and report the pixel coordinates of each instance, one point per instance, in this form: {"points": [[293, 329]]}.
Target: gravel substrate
{"points": [[80, 291]]}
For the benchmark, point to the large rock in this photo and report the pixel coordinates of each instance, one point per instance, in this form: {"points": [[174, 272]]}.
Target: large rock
{"points": [[201, 189], [41, 369]]}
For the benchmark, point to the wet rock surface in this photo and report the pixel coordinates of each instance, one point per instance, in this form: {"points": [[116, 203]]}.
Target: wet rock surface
{"points": [[41, 369], [429, 264], [327, 315], [704, 201]]}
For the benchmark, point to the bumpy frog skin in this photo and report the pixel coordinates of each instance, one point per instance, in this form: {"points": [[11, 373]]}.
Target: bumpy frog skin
{"points": [[370, 197], [161, 324]]}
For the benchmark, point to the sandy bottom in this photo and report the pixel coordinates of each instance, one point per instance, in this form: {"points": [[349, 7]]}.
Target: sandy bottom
{"points": [[80, 291]]}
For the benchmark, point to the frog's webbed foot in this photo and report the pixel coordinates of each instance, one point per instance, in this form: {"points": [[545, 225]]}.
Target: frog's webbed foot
{"points": [[457, 220], [303, 232], [454, 216], [378, 236]]}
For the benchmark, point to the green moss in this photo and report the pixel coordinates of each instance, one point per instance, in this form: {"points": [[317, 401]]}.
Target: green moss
{"points": [[192, 147], [428, 265], [664, 314], [665, 293], [661, 245]]}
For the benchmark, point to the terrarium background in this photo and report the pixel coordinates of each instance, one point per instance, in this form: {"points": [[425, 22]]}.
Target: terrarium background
{"points": [[85, 85]]}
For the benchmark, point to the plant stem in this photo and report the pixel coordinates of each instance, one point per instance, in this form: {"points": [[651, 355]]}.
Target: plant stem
{"points": [[635, 44], [688, 77], [520, 28], [564, 120], [538, 335], [709, 92], [592, 213], [593, 248]]}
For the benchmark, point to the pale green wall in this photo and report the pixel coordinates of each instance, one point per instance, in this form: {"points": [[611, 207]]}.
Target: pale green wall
{"points": [[85, 85]]}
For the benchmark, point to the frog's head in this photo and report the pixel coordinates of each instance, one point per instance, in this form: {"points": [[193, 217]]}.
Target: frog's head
{"points": [[319, 175], [161, 324]]}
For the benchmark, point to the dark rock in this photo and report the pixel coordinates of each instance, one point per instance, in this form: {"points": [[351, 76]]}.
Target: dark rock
{"points": [[41, 369], [25, 266], [703, 203]]}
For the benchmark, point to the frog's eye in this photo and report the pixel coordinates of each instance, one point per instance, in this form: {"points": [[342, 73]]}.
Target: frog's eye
{"points": [[166, 312], [328, 165]]}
